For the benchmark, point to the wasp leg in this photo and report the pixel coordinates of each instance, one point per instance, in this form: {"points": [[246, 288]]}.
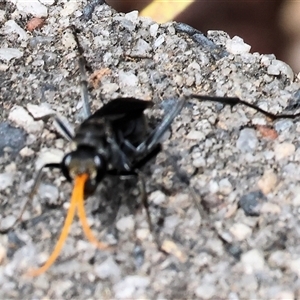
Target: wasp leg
{"points": [[64, 128], [83, 77], [30, 197], [183, 177], [232, 101], [137, 165], [154, 137], [146, 206]]}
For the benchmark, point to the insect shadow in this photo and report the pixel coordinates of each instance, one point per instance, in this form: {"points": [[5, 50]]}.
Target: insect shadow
{"points": [[115, 140]]}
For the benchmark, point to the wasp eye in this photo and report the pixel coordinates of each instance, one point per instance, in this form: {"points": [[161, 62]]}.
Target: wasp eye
{"points": [[65, 166], [100, 165]]}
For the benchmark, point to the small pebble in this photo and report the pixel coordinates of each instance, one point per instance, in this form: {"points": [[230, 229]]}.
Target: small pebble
{"points": [[68, 40], [142, 233], [270, 208], [2, 16], [247, 141], [26, 152], [225, 187], [202, 260], [48, 192], [296, 198], [216, 246], [125, 224], [194, 66], [195, 135], [278, 67], [7, 222], [109, 88], [285, 295], [170, 224], [132, 16], [157, 197], [128, 79], [267, 132], [6, 180], [213, 187], [199, 162], [253, 261], [2, 254], [294, 266], [47, 2], [153, 29], [206, 291], [8, 54], [268, 182], [41, 282], [251, 203], [171, 248], [11, 137], [11, 167], [248, 282], [21, 118], [32, 7], [141, 48], [109, 269], [61, 286], [282, 125], [159, 41], [11, 27], [126, 288], [284, 150], [279, 259], [181, 200], [237, 46], [69, 8], [48, 155], [129, 25], [40, 111], [240, 231]]}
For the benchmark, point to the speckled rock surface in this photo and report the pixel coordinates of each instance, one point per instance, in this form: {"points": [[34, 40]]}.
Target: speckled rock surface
{"points": [[243, 168]]}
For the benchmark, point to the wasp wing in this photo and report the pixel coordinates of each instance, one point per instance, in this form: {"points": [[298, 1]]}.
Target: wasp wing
{"points": [[121, 108]]}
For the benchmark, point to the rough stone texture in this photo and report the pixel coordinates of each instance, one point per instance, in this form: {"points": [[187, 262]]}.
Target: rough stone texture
{"points": [[246, 243]]}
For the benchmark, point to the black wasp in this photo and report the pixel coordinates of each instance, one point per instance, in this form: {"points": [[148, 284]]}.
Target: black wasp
{"points": [[115, 140]]}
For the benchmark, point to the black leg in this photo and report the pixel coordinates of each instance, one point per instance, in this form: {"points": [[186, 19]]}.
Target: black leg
{"points": [[146, 206], [83, 77], [183, 177], [64, 128], [33, 191], [154, 137], [138, 165]]}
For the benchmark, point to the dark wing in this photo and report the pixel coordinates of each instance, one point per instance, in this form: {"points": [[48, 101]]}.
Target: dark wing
{"points": [[126, 118], [121, 108]]}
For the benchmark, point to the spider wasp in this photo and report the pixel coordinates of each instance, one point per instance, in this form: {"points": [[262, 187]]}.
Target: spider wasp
{"points": [[114, 140]]}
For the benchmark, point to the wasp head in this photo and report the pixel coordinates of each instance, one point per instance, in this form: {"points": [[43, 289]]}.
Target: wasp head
{"points": [[85, 160]]}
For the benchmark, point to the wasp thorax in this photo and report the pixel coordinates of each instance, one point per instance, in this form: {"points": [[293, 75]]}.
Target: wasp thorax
{"points": [[84, 160]]}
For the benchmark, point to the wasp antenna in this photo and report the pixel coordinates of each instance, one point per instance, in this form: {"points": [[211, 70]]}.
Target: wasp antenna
{"points": [[232, 101], [77, 192], [83, 77], [85, 226]]}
